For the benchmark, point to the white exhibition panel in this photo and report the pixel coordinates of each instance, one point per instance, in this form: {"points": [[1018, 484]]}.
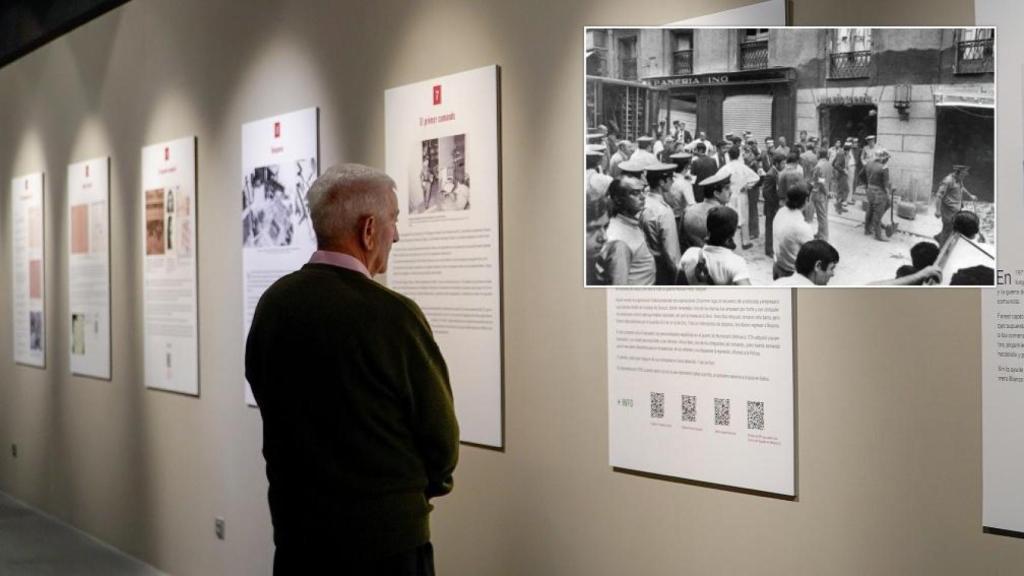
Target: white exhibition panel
{"points": [[28, 274], [443, 152], [169, 278], [671, 394], [770, 13], [701, 385], [280, 161], [1002, 313], [89, 267]]}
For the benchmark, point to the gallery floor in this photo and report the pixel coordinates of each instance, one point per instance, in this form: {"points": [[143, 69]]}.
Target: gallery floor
{"points": [[34, 545]]}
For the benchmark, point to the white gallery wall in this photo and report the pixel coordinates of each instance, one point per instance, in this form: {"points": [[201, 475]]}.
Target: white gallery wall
{"points": [[888, 382]]}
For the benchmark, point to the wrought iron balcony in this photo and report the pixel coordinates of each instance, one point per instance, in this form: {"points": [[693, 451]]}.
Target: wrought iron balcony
{"points": [[975, 56], [682, 62], [754, 55], [628, 67], [849, 64]]}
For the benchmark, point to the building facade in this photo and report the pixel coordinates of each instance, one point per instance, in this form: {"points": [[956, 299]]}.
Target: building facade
{"points": [[928, 94]]}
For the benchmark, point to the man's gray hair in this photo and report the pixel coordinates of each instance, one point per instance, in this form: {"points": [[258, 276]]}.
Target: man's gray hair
{"points": [[343, 195]]}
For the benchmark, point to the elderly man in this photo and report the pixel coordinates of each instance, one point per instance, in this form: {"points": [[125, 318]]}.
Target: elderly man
{"points": [[949, 199], [359, 429]]}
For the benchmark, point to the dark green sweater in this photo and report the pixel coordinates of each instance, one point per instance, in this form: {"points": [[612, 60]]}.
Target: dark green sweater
{"points": [[359, 429]]}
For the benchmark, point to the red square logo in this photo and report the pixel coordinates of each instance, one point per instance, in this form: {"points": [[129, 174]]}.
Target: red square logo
{"points": [[167, 154], [277, 129], [437, 95]]}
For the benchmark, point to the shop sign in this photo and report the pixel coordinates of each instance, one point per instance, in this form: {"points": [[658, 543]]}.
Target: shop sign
{"points": [[857, 100]]}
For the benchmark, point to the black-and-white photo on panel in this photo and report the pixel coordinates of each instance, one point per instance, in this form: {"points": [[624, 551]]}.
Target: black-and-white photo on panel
{"points": [[789, 156]]}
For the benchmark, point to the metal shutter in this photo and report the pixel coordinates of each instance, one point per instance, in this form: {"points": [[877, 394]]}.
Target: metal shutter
{"points": [[748, 112]]}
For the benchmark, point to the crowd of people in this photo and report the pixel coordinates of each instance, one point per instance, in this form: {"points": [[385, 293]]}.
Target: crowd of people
{"points": [[673, 209]]}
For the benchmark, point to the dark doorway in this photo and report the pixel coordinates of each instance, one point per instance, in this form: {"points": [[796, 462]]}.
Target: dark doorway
{"points": [[966, 136], [843, 121]]}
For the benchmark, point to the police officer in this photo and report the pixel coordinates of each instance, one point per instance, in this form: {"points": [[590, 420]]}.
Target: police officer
{"points": [[877, 175]]}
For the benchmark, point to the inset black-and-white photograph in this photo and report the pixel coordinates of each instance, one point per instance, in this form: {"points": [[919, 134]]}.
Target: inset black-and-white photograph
{"points": [[78, 334], [275, 210], [155, 212], [35, 330], [441, 183], [789, 156]]}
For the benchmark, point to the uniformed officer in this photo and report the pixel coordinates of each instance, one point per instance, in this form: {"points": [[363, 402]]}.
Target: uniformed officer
{"points": [[877, 176], [658, 221]]}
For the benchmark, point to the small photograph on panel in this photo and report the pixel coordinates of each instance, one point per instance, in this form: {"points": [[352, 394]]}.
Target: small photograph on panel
{"points": [[275, 210], [35, 330], [789, 156], [184, 225], [78, 334], [169, 228], [35, 279], [155, 222], [80, 229], [441, 181]]}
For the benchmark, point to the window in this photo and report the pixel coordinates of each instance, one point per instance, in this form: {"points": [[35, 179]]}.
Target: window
{"points": [[597, 53], [975, 50], [753, 48], [682, 53], [849, 53], [627, 58]]}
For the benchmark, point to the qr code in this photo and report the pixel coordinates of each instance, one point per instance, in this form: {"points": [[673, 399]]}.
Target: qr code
{"points": [[657, 404], [755, 415], [722, 415], [689, 408]]}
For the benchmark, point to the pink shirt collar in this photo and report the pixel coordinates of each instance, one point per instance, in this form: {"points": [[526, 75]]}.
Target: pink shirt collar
{"points": [[339, 259]]}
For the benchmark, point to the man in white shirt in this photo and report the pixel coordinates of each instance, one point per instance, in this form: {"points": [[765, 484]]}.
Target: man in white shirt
{"points": [[741, 178], [790, 231]]}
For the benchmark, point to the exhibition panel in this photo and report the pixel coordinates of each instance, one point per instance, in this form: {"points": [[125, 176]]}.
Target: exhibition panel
{"points": [[443, 150], [170, 281], [280, 161], [89, 267], [1002, 313], [27, 242]]}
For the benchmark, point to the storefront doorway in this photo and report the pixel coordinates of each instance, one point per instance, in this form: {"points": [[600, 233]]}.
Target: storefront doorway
{"points": [[966, 135], [839, 122]]}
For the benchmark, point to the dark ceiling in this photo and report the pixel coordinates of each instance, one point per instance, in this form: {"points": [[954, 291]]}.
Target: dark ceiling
{"points": [[28, 24]]}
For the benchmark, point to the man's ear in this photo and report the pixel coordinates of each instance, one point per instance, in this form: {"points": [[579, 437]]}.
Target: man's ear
{"points": [[368, 233], [820, 266]]}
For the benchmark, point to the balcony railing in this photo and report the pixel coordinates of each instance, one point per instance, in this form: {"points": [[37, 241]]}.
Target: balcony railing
{"points": [[850, 64], [754, 55], [628, 66], [682, 62], [975, 56]]}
